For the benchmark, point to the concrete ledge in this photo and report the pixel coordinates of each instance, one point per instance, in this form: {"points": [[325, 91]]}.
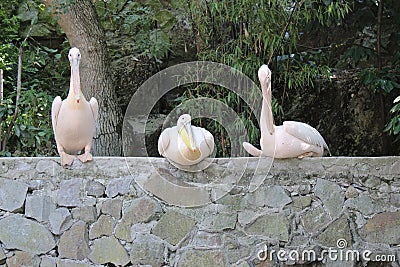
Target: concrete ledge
{"points": [[144, 211]]}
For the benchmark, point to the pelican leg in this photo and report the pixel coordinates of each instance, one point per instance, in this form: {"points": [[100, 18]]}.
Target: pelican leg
{"points": [[66, 159], [86, 156]]}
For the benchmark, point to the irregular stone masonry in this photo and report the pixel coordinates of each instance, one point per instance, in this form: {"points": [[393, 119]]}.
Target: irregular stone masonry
{"points": [[96, 214]]}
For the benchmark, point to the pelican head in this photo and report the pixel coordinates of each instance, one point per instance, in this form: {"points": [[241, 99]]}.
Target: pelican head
{"points": [[264, 74], [74, 57], [186, 132]]}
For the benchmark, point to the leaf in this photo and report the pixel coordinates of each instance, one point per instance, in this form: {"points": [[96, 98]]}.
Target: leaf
{"points": [[17, 130], [165, 18], [397, 99], [396, 130], [395, 108], [37, 140], [26, 12], [49, 49]]}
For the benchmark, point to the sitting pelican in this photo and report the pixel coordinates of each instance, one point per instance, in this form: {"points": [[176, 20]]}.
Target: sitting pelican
{"points": [[290, 140], [74, 118], [185, 144]]}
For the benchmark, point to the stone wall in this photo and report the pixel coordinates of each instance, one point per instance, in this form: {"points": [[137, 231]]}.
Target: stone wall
{"points": [[97, 215]]}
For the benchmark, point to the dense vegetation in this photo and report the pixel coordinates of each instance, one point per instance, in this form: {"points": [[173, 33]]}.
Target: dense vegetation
{"points": [[303, 41]]}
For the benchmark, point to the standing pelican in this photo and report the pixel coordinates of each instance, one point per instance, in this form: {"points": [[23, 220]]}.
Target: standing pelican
{"points": [[185, 144], [74, 118], [290, 140]]}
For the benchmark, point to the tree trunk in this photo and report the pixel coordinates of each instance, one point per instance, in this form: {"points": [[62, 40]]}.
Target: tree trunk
{"points": [[81, 24]]}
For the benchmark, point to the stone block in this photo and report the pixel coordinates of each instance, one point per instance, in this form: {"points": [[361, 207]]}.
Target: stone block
{"points": [[112, 207], [2, 255], [69, 194], [274, 226], [364, 204], [94, 188], [103, 227], [60, 220], [337, 230], [382, 228], [108, 250], [17, 232], [204, 258], [173, 227], [12, 195], [39, 207], [273, 196], [47, 261], [331, 196], [147, 249], [85, 213], [140, 210], [48, 166], [72, 263], [119, 186], [315, 219], [22, 258], [73, 243], [204, 240]]}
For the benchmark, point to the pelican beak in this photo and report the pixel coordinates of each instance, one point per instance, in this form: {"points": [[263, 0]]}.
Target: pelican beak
{"points": [[188, 137], [76, 79]]}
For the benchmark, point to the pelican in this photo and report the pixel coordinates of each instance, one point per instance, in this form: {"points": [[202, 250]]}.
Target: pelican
{"points": [[74, 118], [185, 144], [290, 140]]}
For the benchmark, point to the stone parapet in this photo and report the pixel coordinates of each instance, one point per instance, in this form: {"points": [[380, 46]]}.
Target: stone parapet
{"points": [[237, 212]]}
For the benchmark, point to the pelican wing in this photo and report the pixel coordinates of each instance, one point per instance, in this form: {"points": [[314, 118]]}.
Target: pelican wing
{"points": [[305, 133], [55, 109], [94, 106], [163, 141]]}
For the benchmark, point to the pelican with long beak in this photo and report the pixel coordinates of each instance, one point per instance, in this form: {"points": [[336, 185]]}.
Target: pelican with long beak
{"points": [[292, 139], [74, 118], [185, 144]]}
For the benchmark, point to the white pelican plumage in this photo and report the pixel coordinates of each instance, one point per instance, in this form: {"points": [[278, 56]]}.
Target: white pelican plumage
{"points": [[290, 140], [74, 118], [185, 144]]}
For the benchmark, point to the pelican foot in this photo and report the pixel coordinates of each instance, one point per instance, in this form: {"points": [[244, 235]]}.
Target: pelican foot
{"points": [[85, 157], [307, 154], [66, 159]]}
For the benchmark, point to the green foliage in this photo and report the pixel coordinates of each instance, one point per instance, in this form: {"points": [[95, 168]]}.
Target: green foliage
{"points": [[356, 54], [393, 127], [43, 76], [246, 34], [149, 23], [379, 80], [385, 81], [379, 72]]}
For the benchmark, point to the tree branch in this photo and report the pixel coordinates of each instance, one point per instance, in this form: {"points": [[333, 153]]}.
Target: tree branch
{"points": [[1, 102]]}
